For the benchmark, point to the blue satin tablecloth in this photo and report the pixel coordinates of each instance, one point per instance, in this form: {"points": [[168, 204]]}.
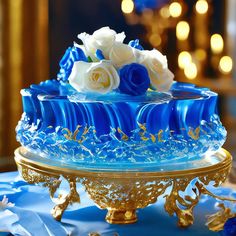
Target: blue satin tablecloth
{"points": [[31, 215]]}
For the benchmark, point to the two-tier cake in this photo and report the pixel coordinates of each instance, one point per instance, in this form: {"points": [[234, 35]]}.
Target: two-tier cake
{"points": [[117, 103]]}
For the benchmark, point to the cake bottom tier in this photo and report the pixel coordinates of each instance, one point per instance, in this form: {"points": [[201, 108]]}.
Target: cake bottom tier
{"points": [[82, 145], [115, 128]]}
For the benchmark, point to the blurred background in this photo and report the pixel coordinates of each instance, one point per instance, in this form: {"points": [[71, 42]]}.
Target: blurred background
{"points": [[198, 37]]}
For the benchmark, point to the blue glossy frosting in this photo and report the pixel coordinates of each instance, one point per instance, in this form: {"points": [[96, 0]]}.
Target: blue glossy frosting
{"points": [[59, 122], [72, 54]]}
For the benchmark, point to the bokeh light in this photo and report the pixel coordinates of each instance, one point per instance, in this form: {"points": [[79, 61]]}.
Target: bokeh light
{"points": [[182, 30], [127, 6], [165, 13], [175, 9], [200, 54], [201, 6], [217, 43], [190, 71], [155, 40], [184, 59], [226, 64]]}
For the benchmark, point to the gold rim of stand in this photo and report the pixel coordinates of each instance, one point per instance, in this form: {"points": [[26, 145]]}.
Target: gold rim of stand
{"points": [[225, 162]]}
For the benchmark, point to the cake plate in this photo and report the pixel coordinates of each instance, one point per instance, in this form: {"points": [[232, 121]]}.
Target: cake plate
{"points": [[122, 190]]}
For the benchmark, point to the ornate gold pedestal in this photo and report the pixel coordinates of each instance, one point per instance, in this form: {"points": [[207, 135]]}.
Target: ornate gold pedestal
{"points": [[122, 192]]}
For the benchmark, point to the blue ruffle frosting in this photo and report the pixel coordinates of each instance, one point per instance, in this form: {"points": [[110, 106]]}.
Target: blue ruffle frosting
{"points": [[62, 123]]}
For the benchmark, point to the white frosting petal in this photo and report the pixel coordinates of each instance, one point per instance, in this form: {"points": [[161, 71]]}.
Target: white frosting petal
{"points": [[121, 54], [156, 64], [100, 77], [102, 39]]}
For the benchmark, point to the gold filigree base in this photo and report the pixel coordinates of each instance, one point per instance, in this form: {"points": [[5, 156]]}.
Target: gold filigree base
{"points": [[123, 192]]}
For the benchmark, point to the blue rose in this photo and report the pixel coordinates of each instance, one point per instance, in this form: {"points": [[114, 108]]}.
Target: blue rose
{"points": [[134, 79], [135, 44], [99, 55], [229, 227], [71, 55]]}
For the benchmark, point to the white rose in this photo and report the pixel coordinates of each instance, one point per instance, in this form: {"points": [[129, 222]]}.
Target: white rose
{"points": [[80, 46], [122, 54], [156, 63], [100, 77], [102, 39]]}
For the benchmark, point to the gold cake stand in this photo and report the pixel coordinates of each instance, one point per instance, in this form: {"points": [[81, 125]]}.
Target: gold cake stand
{"points": [[122, 192]]}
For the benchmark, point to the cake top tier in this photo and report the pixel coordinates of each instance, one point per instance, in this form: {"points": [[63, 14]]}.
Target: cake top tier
{"points": [[103, 64]]}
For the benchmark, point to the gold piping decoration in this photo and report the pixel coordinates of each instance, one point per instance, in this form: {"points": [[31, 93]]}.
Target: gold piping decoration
{"points": [[144, 134], [194, 134], [69, 135], [159, 135], [124, 136]]}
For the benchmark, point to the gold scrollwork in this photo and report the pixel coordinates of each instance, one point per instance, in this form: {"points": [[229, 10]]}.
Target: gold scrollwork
{"points": [[34, 177], [218, 177], [122, 195], [173, 200]]}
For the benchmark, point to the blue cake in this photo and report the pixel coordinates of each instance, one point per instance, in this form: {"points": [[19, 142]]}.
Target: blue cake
{"points": [[117, 103]]}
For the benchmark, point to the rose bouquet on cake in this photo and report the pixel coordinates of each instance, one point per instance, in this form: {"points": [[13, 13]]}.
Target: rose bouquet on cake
{"points": [[103, 63]]}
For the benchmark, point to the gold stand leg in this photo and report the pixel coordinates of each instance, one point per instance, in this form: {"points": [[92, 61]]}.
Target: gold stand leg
{"points": [[182, 206], [121, 216], [58, 210], [70, 198]]}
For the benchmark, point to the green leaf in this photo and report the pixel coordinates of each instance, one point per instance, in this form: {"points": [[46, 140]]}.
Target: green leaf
{"points": [[90, 59]]}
